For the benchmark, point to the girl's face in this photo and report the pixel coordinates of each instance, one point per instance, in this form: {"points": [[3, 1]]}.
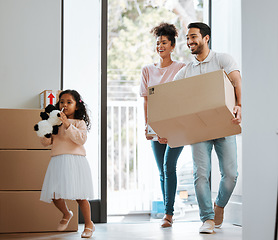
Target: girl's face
{"points": [[163, 46], [69, 104]]}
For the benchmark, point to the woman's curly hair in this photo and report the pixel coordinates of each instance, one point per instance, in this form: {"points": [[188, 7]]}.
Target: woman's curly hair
{"points": [[166, 29]]}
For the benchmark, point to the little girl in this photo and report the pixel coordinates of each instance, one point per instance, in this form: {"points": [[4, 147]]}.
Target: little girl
{"points": [[68, 175]]}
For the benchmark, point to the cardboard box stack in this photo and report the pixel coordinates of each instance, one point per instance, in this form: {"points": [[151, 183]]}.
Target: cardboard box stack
{"points": [[193, 109], [23, 163]]}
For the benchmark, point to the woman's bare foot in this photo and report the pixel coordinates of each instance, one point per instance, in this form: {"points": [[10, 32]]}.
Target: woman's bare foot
{"points": [[167, 221]]}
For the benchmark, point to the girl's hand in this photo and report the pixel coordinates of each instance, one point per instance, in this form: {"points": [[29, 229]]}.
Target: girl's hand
{"points": [[162, 140], [64, 120]]}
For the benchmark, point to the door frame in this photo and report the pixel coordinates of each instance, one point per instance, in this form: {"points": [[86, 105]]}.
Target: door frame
{"points": [[98, 206]]}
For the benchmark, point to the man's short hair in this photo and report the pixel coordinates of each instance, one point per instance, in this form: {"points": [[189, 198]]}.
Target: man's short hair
{"points": [[204, 28]]}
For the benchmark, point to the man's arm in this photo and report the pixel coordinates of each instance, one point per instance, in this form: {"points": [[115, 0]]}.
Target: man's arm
{"points": [[236, 79]]}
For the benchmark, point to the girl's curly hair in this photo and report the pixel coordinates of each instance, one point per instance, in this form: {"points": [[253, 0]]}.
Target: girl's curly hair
{"points": [[82, 112]]}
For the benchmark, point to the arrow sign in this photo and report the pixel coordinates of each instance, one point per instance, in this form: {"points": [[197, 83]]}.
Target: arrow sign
{"points": [[51, 97]]}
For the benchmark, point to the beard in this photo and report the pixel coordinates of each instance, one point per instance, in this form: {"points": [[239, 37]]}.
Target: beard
{"points": [[197, 50]]}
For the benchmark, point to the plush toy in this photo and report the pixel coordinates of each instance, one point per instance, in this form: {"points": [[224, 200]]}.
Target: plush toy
{"points": [[50, 122]]}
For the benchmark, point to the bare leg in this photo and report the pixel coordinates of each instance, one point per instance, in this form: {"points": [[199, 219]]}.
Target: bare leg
{"points": [[86, 211], [62, 206], [168, 216]]}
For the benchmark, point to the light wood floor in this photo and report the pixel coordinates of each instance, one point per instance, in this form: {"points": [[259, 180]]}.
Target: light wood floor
{"points": [[149, 230]]}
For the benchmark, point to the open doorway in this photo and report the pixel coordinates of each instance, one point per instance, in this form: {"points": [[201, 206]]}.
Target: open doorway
{"points": [[133, 180]]}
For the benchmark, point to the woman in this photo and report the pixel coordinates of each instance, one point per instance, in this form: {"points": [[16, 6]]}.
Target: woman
{"points": [[153, 74]]}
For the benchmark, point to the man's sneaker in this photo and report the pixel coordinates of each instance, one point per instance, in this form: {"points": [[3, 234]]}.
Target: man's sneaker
{"points": [[207, 227], [219, 215]]}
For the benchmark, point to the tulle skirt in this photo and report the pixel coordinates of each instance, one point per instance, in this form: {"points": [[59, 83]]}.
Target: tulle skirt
{"points": [[67, 177]]}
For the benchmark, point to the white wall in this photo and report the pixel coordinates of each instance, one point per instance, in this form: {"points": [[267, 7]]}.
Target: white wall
{"points": [[30, 59], [226, 27], [82, 68], [260, 117]]}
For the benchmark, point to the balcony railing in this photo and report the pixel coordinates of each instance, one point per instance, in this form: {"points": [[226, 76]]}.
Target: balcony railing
{"points": [[133, 179]]}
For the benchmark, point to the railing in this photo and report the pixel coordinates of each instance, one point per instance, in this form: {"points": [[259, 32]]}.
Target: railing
{"points": [[122, 145], [133, 179], [124, 116]]}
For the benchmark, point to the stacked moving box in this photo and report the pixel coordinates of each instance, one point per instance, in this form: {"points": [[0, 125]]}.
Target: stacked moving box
{"points": [[23, 163]]}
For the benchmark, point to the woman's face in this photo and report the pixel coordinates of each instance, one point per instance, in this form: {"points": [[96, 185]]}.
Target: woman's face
{"points": [[163, 46]]}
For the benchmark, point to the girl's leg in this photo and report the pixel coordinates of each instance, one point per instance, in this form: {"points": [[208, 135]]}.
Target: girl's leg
{"points": [[86, 211], [62, 206]]}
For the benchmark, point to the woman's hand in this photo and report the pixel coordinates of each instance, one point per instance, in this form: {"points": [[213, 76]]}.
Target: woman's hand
{"points": [[64, 120], [148, 137], [162, 140]]}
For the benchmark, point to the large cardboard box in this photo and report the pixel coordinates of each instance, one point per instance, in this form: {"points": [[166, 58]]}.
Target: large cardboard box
{"points": [[17, 129], [23, 169], [193, 109], [22, 211]]}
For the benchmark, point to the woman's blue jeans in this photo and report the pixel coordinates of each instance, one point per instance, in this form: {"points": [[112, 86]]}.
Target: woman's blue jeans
{"points": [[166, 159], [226, 151]]}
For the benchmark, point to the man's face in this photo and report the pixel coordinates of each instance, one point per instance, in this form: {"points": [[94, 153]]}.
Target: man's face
{"points": [[195, 41]]}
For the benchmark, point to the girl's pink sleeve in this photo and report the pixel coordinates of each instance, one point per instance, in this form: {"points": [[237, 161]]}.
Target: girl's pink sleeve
{"points": [[46, 141], [78, 133]]}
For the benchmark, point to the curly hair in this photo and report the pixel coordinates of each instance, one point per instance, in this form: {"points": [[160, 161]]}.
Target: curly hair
{"points": [[166, 29], [82, 112]]}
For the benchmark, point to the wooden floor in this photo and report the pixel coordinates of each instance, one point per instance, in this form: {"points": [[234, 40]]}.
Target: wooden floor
{"points": [[140, 230]]}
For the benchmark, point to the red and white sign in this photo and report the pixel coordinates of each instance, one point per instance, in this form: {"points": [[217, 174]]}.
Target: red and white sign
{"points": [[49, 97]]}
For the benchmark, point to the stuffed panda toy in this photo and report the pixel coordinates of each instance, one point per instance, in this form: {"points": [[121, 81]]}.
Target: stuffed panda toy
{"points": [[50, 122]]}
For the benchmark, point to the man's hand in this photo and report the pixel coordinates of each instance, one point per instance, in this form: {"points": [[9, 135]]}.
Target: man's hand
{"points": [[237, 113]]}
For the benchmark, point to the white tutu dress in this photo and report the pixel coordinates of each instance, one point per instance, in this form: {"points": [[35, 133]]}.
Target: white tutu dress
{"points": [[68, 175]]}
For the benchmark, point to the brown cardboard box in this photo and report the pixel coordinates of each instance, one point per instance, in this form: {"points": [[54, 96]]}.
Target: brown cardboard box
{"points": [[23, 169], [17, 129], [22, 211], [49, 97], [193, 109]]}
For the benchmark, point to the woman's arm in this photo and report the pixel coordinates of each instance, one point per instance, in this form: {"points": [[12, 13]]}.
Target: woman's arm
{"points": [[160, 140], [146, 118]]}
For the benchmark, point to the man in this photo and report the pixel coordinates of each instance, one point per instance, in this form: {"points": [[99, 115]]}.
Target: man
{"points": [[198, 36]]}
